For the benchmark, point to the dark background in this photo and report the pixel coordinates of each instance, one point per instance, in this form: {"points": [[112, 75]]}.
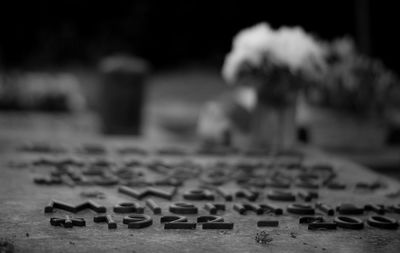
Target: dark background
{"points": [[57, 33]]}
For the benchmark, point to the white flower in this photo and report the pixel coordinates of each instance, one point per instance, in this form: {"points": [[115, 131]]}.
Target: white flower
{"points": [[289, 47], [248, 47]]}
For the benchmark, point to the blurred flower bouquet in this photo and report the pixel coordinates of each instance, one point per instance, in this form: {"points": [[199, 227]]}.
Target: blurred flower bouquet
{"points": [[352, 83], [350, 101], [276, 64]]}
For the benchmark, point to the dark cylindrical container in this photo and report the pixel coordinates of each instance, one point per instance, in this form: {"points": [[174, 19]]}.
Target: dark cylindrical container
{"points": [[122, 94]]}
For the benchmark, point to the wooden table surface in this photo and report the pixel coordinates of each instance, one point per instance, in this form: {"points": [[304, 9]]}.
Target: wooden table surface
{"points": [[24, 227]]}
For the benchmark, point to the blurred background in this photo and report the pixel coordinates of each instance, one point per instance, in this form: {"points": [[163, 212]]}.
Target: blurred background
{"points": [[55, 61], [64, 33]]}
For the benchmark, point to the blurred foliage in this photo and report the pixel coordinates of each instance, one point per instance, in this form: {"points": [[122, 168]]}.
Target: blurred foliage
{"points": [[354, 82]]}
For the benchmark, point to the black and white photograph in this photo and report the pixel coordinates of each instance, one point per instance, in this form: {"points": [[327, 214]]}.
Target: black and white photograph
{"points": [[219, 126]]}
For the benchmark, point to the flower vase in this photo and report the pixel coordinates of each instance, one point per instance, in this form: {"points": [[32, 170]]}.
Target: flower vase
{"points": [[273, 126]]}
